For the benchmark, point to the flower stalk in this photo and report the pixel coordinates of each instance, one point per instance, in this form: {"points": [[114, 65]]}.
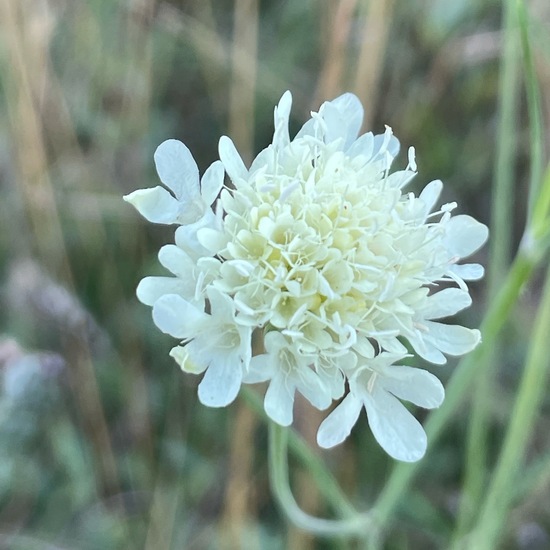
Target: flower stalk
{"points": [[350, 525], [326, 483]]}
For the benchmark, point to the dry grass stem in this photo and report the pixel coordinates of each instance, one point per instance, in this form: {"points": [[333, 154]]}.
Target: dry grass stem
{"points": [[339, 19], [374, 41]]}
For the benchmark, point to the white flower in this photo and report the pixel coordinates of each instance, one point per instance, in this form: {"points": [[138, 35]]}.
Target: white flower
{"points": [[430, 338], [215, 343], [317, 251], [288, 371], [191, 277], [378, 388], [178, 170]]}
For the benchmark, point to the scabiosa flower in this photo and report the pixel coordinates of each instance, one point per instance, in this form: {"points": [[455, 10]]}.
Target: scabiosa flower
{"points": [[315, 251]]}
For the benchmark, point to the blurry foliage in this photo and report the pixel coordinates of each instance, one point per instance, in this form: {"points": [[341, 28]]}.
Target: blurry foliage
{"points": [[103, 444]]}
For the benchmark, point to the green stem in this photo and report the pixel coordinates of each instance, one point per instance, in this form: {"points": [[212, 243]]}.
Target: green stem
{"points": [[524, 413], [460, 383], [541, 213], [328, 486], [499, 258], [504, 179], [358, 525], [534, 109], [535, 478]]}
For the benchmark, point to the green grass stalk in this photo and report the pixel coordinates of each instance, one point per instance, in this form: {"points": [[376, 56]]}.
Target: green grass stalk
{"points": [[499, 258], [534, 107], [534, 479], [499, 495], [531, 391]]}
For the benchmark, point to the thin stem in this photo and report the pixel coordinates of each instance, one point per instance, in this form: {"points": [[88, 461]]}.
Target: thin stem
{"points": [[374, 38], [534, 109], [340, 18], [522, 419], [541, 213], [499, 258], [357, 525], [325, 481], [535, 477]]}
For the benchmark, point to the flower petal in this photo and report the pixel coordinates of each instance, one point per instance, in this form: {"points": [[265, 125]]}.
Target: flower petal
{"points": [[222, 380], [177, 317], [392, 345], [343, 116], [150, 289], [155, 205], [394, 427], [312, 388], [399, 179], [260, 369], [178, 170], [415, 385], [212, 240], [452, 339], [309, 128], [464, 235], [212, 182], [176, 260], [364, 347], [426, 349], [186, 235], [468, 272], [232, 161], [430, 194], [445, 302], [385, 142], [338, 424], [363, 145], [333, 379], [281, 136], [279, 401], [263, 160], [182, 358]]}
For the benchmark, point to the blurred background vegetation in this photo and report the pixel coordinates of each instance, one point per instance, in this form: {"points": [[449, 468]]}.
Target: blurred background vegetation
{"points": [[103, 444]]}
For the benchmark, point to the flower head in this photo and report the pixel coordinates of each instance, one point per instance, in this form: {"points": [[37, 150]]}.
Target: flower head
{"points": [[317, 251]]}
